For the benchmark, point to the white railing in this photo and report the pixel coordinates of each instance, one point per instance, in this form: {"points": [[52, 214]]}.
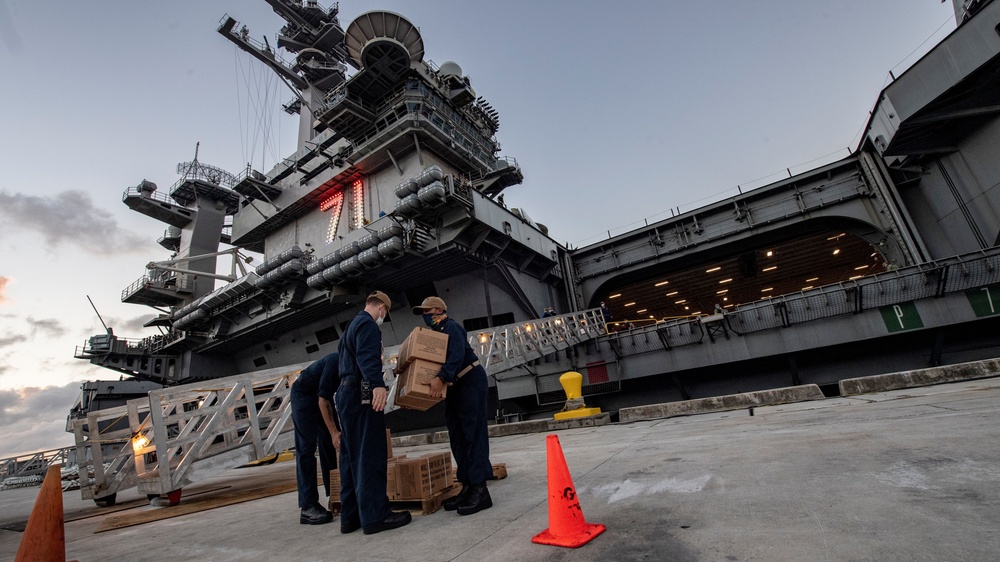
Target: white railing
{"points": [[228, 421], [182, 434], [509, 346], [104, 449]]}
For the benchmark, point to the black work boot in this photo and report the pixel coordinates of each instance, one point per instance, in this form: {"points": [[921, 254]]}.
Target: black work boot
{"points": [[477, 500], [395, 520], [314, 515], [452, 503]]}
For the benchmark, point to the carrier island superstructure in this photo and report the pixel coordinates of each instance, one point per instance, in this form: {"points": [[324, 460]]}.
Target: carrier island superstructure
{"points": [[881, 261], [393, 187]]}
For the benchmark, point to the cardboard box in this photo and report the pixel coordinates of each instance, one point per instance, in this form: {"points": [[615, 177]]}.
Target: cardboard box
{"points": [[334, 485], [407, 478], [422, 343], [418, 478], [413, 389], [390, 484]]}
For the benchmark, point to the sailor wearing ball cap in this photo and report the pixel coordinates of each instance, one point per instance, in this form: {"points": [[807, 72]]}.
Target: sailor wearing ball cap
{"points": [[360, 403], [464, 409]]}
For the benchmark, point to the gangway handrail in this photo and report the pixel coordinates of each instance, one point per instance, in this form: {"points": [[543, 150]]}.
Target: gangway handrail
{"points": [[32, 464], [232, 420], [510, 345], [105, 449]]}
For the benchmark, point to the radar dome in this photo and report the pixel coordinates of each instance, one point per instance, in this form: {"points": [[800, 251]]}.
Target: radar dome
{"points": [[450, 68]]}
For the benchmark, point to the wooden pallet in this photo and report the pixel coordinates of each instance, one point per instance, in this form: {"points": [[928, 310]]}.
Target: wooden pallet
{"points": [[499, 472], [423, 506]]}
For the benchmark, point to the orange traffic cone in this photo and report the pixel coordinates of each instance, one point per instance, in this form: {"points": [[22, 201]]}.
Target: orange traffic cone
{"points": [[44, 537], [567, 526]]}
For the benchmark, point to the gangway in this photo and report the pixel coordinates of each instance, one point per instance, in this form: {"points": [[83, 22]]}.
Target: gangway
{"points": [[507, 347], [104, 453], [179, 435], [30, 468], [182, 434]]}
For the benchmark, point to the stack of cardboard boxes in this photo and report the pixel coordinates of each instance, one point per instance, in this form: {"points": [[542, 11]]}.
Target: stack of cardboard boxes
{"points": [[418, 478], [419, 360], [406, 478]]}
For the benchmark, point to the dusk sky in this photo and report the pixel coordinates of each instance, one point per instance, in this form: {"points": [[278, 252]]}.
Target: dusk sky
{"points": [[616, 112]]}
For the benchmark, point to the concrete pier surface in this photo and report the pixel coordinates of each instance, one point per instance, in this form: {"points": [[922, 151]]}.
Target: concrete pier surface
{"points": [[909, 474]]}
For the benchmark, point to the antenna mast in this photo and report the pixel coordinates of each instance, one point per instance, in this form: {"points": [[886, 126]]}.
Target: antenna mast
{"points": [[106, 329]]}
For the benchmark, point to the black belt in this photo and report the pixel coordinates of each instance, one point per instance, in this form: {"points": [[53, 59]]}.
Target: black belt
{"points": [[466, 370]]}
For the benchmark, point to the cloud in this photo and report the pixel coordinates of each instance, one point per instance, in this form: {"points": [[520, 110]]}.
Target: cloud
{"points": [[9, 340], [48, 326], [3, 289], [129, 326], [34, 419], [69, 218]]}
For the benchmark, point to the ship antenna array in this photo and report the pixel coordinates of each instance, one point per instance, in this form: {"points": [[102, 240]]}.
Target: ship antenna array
{"points": [[198, 170], [106, 329]]}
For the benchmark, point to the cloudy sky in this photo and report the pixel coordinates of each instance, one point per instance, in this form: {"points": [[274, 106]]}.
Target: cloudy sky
{"points": [[617, 112]]}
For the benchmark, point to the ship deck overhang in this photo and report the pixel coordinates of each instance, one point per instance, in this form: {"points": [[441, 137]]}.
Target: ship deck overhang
{"points": [[451, 260], [946, 95]]}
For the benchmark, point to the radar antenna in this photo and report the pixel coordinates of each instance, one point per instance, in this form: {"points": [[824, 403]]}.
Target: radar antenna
{"points": [[196, 170]]}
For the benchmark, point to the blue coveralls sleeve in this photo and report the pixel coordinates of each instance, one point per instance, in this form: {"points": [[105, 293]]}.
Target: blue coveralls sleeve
{"points": [[368, 352], [455, 358], [330, 379]]}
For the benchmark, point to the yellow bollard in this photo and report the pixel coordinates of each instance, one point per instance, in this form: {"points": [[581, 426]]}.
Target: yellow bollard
{"points": [[572, 383]]}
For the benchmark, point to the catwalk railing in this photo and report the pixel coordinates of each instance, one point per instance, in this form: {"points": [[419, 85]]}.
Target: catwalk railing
{"points": [[968, 272]]}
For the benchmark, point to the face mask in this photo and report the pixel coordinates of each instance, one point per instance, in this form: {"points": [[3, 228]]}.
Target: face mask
{"points": [[379, 320], [428, 319]]}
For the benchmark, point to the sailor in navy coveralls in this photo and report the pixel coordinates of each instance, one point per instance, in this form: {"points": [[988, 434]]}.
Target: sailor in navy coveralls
{"points": [[464, 410], [311, 392], [361, 400]]}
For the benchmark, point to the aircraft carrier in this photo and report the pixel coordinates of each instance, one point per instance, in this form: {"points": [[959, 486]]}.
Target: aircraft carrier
{"points": [[885, 260]]}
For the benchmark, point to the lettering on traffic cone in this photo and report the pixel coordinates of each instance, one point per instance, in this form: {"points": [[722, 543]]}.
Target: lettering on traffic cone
{"points": [[567, 526], [44, 536]]}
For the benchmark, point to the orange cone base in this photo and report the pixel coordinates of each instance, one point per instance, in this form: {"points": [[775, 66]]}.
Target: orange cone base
{"points": [[578, 539]]}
